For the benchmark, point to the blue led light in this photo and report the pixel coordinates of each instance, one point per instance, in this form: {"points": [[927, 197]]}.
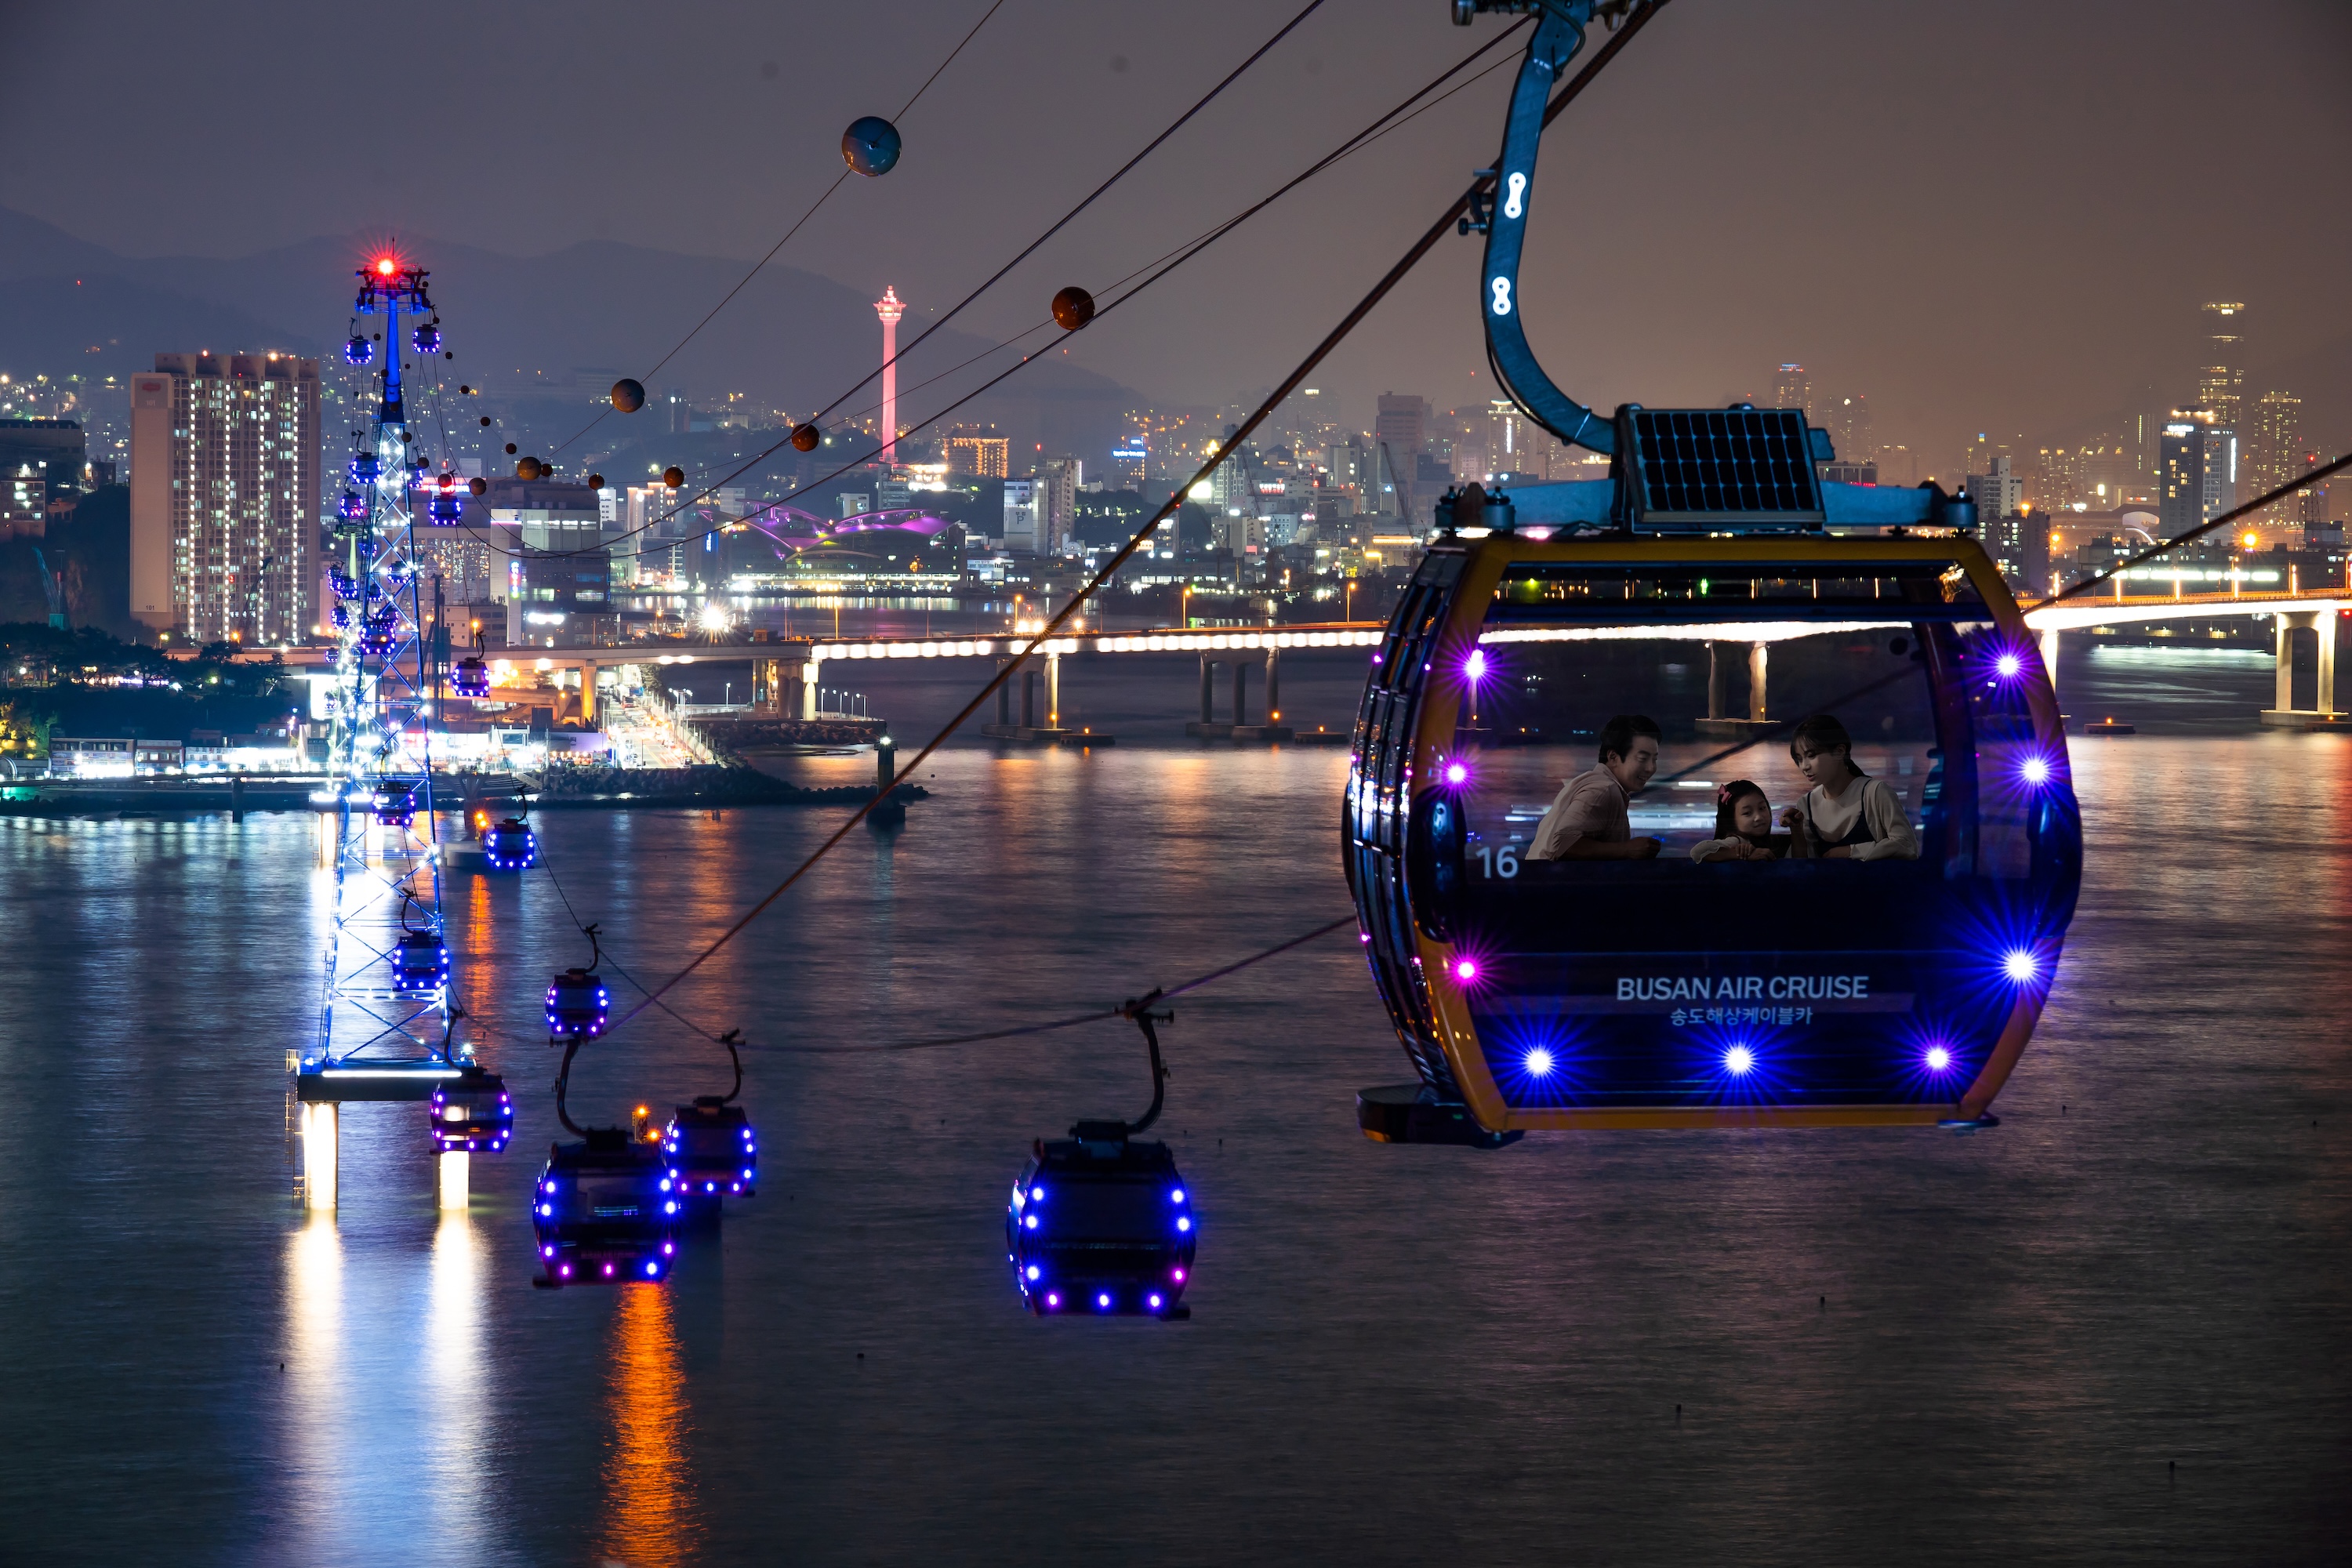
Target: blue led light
{"points": [[1029, 1220], [1538, 1062], [652, 1269], [2021, 965], [1938, 1058], [1034, 1272], [1037, 1194], [1183, 1221], [1103, 1300], [1177, 1196], [1738, 1061]]}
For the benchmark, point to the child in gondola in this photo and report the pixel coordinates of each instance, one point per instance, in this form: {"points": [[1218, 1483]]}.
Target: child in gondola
{"points": [[1743, 828]]}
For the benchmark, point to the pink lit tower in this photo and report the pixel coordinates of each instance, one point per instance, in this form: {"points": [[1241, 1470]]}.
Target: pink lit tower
{"points": [[889, 308]]}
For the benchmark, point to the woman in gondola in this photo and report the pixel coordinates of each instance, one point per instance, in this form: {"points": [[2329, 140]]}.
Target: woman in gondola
{"points": [[1847, 814]]}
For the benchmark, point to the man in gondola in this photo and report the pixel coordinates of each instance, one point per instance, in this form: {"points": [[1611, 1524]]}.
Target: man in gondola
{"points": [[1588, 819]]}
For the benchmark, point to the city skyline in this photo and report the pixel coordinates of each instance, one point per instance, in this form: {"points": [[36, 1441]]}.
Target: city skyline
{"points": [[2075, 313]]}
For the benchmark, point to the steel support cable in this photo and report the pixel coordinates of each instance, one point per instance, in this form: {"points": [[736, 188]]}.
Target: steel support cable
{"points": [[2307, 477], [1306, 367], [760, 264], [1124, 1011], [1181, 254]]}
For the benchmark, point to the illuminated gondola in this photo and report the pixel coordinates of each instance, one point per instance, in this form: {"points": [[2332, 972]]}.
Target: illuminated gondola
{"points": [[1886, 970], [420, 961], [711, 1146], [472, 1112], [578, 1004], [471, 675], [1099, 1224], [604, 1210], [395, 803], [510, 845]]}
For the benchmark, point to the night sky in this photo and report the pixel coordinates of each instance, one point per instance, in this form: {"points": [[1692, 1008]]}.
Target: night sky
{"points": [[1984, 215]]}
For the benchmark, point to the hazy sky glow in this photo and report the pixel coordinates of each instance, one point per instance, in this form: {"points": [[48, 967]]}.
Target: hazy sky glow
{"points": [[1992, 214]]}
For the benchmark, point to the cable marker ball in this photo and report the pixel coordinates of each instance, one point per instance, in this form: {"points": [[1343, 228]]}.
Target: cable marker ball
{"points": [[479, 487], [596, 482], [486, 420], [804, 438], [673, 477], [628, 394], [510, 449], [1073, 308], [870, 146], [529, 468]]}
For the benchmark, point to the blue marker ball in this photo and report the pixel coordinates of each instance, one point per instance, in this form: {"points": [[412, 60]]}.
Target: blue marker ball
{"points": [[870, 146]]}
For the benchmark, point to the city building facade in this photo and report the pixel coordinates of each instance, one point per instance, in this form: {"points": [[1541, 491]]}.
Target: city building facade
{"points": [[225, 499]]}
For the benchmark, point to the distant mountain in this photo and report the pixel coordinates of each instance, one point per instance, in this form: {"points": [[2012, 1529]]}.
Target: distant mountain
{"points": [[567, 324]]}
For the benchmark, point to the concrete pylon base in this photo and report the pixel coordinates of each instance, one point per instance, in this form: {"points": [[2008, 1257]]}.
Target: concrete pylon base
{"points": [[1734, 729], [2304, 719]]}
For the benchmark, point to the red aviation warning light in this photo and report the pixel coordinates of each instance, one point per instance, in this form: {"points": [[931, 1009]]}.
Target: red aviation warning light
{"points": [[385, 266]]}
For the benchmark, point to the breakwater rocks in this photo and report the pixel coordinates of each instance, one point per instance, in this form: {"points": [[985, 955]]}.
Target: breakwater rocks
{"points": [[690, 786]]}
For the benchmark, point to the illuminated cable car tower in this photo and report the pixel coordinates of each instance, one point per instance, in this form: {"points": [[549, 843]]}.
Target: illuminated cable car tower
{"points": [[386, 1029]]}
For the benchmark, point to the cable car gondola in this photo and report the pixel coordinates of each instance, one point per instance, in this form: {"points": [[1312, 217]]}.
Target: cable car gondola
{"points": [[471, 677], [395, 803], [510, 845], [1100, 1224], [420, 961], [474, 1113], [605, 1209], [577, 1001], [712, 1148], [1564, 928]]}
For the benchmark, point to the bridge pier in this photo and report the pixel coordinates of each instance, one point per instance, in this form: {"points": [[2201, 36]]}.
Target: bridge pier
{"points": [[321, 1131], [2322, 713], [1718, 723]]}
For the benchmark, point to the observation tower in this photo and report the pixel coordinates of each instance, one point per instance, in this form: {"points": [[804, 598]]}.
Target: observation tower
{"points": [[889, 308]]}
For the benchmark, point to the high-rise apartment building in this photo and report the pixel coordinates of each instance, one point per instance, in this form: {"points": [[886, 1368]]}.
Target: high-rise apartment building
{"points": [[1021, 518], [225, 498], [1999, 492], [1792, 387], [2197, 473], [1059, 481], [2273, 449], [978, 450]]}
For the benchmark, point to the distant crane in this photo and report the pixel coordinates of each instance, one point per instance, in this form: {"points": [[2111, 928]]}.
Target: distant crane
{"points": [[54, 588]]}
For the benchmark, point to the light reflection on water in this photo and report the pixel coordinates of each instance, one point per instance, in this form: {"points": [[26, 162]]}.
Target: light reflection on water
{"points": [[1886, 1346], [649, 1515]]}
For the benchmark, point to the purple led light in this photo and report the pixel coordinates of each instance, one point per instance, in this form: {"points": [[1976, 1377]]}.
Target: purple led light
{"points": [[1053, 1300], [1465, 969], [2008, 664], [1474, 667], [1457, 773]]}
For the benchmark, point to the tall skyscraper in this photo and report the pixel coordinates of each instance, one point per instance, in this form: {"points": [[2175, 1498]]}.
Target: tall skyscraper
{"points": [[1851, 430], [2197, 473], [1792, 387], [225, 498], [2273, 447], [889, 308], [2222, 379]]}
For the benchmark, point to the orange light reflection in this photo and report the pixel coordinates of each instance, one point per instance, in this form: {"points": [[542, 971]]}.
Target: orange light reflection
{"points": [[649, 1518]]}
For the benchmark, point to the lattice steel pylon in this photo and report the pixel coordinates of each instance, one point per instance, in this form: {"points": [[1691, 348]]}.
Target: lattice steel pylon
{"points": [[386, 1027]]}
